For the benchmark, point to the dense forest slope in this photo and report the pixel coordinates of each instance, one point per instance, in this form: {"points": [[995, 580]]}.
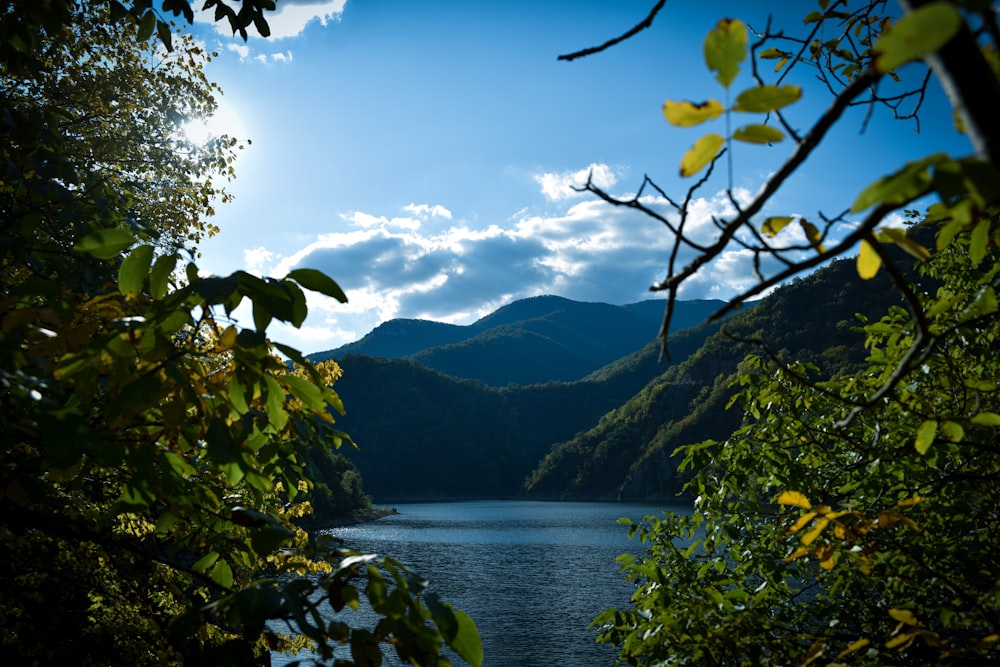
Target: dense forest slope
{"points": [[627, 454], [534, 340], [426, 435]]}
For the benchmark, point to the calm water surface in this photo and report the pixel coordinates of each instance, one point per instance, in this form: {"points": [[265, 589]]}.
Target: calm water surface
{"points": [[532, 575]]}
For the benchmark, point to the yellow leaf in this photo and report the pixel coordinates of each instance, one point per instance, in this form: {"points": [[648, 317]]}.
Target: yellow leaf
{"points": [[815, 651], [814, 532], [794, 498], [812, 233], [903, 616], [703, 152], [688, 114], [910, 501], [825, 555], [801, 523], [901, 641], [775, 224], [798, 553], [855, 646], [868, 261], [865, 565]]}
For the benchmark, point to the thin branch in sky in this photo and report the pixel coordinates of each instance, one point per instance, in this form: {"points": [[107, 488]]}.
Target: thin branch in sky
{"points": [[639, 27]]}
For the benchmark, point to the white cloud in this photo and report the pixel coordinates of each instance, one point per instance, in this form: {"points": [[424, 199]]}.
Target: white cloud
{"points": [[241, 49], [285, 57], [566, 184], [391, 266], [290, 19], [426, 211]]}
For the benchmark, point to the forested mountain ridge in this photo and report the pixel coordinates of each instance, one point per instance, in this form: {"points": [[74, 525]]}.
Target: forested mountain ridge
{"points": [[627, 454], [533, 340], [423, 435]]}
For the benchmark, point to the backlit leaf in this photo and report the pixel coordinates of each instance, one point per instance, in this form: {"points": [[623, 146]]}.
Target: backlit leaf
{"points": [[919, 33], [952, 430], [699, 155], [758, 134], [222, 574], [978, 241], [134, 269], [899, 237], [794, 498], [925, 436], [689, 114], [105, 243], [854, 646], [812, 234], [725, 48], [775, 224], [467, 643], [868, 261], [903, 616], [913, 180], [986, 419], [763, 99]]}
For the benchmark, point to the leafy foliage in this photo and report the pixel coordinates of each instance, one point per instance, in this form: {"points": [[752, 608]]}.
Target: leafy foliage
{"points": [[155, 456], [849, 519], [857, 541]]}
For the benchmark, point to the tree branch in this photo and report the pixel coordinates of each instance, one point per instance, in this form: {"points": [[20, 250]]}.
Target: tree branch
{"points": [[642, 25]]}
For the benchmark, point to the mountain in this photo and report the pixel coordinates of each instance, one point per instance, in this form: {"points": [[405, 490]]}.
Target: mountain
{"points": [[425, 435], [609, 434], [627, 454], [534, 340]]}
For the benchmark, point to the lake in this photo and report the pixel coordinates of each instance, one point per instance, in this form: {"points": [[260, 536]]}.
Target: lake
{"points": [[532, 575]]}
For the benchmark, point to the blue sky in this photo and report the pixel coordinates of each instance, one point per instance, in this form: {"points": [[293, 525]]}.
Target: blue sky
{"points": [[421, 153]]}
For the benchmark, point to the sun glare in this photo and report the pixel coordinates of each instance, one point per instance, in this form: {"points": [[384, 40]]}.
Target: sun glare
{"points": [[224, 121]]}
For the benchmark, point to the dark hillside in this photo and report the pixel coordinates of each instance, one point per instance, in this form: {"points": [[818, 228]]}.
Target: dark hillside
{"points": [[627, 454]]}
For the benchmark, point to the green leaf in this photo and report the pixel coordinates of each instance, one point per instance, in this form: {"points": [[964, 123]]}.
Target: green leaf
{"points": [[906, 184], [317, 281], [205, 561], [767, 98], [703, 152], [758, 134], [159, 277], [925, 436], [952, 430], [986, 419], [919, 33], [163, 32], [467, 642], [689, 114], [773, 225], [134, 270], [105, 243], [147, 25], [222, 574], [725, 48], [868, 261], [773, 53], [978, 241]]}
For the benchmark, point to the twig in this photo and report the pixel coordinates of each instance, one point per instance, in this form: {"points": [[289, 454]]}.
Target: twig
{"points": [[639, 27]]}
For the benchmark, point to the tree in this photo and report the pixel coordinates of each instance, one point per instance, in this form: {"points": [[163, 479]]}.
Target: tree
{"points": [[155, 454], [847, 521]]}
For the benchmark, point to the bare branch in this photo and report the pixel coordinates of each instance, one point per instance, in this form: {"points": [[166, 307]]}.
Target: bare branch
{"points": [[639, 27]]}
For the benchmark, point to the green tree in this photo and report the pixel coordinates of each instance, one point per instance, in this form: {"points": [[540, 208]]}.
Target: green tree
{"points": [[848, 521], [154, 454]]}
